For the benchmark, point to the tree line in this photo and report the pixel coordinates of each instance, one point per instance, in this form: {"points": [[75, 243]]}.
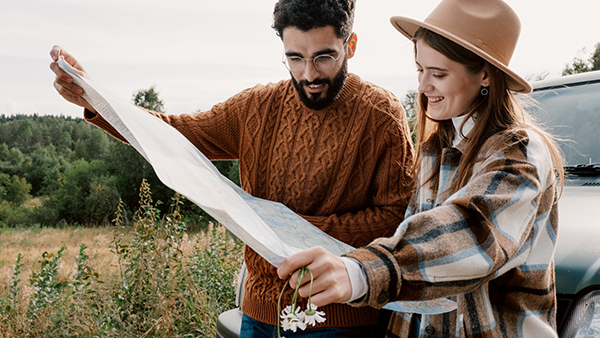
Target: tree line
{"points": [[63, 170]]}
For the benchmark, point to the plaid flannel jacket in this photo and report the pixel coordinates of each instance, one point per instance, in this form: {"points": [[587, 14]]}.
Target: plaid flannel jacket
{"points": [[489, 247]]}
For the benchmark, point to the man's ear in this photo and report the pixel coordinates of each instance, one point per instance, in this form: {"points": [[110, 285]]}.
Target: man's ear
{"points": [[352, 41]]}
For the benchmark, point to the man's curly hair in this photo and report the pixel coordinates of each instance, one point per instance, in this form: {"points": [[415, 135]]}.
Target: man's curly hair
{"points": [[309, 14]]}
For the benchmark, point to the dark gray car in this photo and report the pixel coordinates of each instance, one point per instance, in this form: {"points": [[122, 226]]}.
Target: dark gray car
{"points": [[570, 106]]}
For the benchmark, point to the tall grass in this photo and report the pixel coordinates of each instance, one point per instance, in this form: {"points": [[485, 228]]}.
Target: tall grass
{"points": [[159, 288]]}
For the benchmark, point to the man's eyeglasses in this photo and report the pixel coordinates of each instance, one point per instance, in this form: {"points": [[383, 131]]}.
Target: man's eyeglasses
{"points": [[323, 63]]}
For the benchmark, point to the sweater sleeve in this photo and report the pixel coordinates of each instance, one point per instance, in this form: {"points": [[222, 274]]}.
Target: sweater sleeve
{"points": [[216, 132], [389, 189], [485, 229]]}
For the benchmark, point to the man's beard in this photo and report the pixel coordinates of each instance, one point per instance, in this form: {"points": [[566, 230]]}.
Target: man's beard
{"points": [[334, 88]]}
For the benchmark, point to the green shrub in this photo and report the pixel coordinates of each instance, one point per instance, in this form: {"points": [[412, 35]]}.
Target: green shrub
{"points": [[14, 216], [14, 189]]}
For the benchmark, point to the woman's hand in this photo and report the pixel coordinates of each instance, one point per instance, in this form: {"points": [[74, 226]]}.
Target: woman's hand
{"points": [[331, 283], [63, 83]]}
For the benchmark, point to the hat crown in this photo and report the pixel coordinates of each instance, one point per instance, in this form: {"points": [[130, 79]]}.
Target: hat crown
{"points": [[488, 24], [488, 28]]}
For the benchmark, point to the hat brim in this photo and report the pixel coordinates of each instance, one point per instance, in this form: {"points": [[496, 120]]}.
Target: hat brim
{"points": [[408, 27]]}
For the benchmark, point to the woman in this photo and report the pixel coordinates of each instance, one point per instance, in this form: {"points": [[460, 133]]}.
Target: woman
{"points": [[481, 228]]}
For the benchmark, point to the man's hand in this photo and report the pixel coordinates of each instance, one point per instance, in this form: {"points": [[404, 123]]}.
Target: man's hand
{"points": [[63, 83], [331, 282]]}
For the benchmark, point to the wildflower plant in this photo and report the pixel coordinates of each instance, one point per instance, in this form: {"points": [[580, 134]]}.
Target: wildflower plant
{"points": [[8, 306], [47, 287], [84, 275], [147, 264], [292, 318], [14, 286]]}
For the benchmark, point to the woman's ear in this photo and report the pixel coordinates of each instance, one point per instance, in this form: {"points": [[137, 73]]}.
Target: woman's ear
{"points": [[485, 81], [352, 41]]}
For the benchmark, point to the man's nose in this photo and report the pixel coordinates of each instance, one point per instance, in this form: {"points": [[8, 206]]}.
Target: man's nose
{"points": [[310, 72]]}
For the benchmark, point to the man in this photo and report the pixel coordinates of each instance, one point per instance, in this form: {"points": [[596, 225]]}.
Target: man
{"points": [[330, 146]]}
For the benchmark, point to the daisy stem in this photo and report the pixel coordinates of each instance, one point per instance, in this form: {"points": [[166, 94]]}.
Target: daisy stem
{"points": [[309, 288], [279, 309], [295, 297]]}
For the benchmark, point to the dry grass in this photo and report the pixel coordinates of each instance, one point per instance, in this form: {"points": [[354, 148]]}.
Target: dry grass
{"points": [[31, 243], [158, 282]]}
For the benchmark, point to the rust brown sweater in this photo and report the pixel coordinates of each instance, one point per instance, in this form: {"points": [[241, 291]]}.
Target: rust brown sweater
{"points": [[344, 169]]}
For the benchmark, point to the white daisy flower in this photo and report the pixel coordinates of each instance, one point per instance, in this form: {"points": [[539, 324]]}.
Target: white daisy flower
{"points": [[312, 316], [292, 320]]}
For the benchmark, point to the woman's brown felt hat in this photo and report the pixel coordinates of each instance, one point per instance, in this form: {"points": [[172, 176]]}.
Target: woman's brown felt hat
{"points": [[488, 28]]}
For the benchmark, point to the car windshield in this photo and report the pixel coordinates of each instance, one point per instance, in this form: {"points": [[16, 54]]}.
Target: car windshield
{"points": [[572, 114]]}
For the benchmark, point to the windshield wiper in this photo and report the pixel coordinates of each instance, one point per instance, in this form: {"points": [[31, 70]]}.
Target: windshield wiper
{"points": [[587, 170]]}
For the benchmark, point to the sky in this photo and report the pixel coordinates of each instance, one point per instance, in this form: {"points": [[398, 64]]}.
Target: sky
{"points": [[200, 52]]}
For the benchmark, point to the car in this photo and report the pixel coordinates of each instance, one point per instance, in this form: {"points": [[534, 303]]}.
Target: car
{"points": [[230, 322], [569, 108]]}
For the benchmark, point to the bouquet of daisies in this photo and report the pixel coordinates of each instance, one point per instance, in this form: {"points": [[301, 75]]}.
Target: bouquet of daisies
{"points": [[292, 318]]}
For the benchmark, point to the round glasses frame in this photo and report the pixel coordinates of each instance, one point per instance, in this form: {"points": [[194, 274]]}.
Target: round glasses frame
{"points": [[323, 63]]}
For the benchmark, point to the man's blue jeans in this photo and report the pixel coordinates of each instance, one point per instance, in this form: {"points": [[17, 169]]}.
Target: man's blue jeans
{"points": [[254, 329]]}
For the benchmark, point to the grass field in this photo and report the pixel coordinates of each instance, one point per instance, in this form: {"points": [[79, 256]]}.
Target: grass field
{"points": [[32, 242], [148, 279]]}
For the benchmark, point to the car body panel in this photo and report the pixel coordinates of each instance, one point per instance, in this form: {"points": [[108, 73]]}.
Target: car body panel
{"points": [[229, 324], [577, 257]]}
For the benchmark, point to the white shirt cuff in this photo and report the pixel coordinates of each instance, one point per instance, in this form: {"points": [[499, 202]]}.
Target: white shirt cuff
{"points": [[358, 278]]}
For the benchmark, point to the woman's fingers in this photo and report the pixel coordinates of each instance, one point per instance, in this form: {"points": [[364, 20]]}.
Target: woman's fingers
{"points": [[331, 283], [298, 260]]}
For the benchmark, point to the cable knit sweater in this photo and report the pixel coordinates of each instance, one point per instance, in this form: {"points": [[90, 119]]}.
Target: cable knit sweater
{"points": [[344, 168]]}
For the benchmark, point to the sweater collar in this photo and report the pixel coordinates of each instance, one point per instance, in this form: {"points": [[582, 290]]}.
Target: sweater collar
{"points": [[350, 87]]}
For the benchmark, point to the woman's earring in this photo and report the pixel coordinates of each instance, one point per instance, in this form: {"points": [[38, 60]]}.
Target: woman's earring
{"points": [[484, 91]]}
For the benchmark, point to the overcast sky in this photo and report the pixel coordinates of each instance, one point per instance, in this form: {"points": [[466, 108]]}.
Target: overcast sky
{"points": [[200, 52]]}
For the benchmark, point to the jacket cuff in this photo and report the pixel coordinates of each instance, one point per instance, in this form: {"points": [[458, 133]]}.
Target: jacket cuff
{"points": [[383, 274]]}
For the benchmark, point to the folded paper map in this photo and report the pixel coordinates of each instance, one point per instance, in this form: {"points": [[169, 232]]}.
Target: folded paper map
{"points": [[269, 228]]}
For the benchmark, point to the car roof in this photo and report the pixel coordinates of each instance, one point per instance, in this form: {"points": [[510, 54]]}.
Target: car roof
{"points": [[569, 80]]}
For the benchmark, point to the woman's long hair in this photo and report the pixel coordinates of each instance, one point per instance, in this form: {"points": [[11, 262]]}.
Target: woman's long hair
{"points": [[496, 112]]}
